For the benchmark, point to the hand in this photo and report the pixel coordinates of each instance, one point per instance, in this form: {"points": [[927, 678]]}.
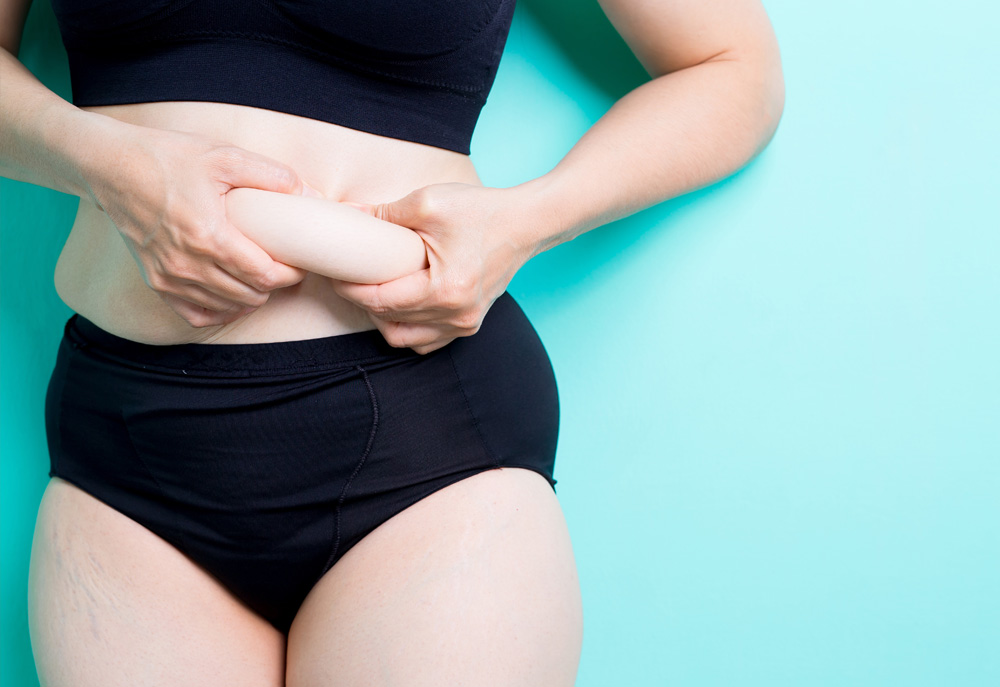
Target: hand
{"points": [[476, 241], [165, 192]]}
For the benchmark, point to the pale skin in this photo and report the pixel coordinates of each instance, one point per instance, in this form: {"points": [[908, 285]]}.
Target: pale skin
{"points": [[331, 239], [155, 256]]}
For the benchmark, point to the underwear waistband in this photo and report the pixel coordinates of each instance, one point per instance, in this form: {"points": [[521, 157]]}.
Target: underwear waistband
{"points": [[239, 359]]}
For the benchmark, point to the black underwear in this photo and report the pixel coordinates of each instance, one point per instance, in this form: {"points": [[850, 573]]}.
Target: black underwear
{"points": [[265, 463]]}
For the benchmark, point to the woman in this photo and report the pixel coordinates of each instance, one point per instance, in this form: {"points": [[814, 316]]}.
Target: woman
{"points": [[266, 471]]}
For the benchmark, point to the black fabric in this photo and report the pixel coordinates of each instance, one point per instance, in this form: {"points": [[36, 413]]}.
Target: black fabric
{"points": [[416, 71], [265, 463]]}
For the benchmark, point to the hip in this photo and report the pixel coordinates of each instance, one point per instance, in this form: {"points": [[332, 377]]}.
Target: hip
{"points": [[203, 403]]}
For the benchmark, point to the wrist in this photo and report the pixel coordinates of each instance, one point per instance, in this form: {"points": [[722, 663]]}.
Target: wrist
{"points": [[85, 142], [544, 216]]}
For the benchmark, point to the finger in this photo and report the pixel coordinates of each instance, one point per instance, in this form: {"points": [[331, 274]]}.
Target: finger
{"points": [[415, 336], [284, 274], [359, 294], [210, 287], [197, 316], [202, 297], [424, 350], [250, 264], [400, 300], [246, 168]]}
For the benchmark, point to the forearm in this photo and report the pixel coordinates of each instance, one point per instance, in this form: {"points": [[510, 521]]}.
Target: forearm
{"points": [[326, 237], [44, 140], [675, 134]]}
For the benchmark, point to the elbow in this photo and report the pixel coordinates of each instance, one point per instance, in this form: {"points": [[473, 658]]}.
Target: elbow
{"points": [[767, 102], [762, 91], [771, 90], [772, 107], [754, 93], [775, 94]]}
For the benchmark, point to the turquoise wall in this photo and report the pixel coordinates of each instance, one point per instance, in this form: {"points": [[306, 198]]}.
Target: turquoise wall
{"points": [[781, 394]]}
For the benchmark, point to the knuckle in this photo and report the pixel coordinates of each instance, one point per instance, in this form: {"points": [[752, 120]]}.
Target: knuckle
{"points": [[226, 155], [284, 176], [426, 203], [228, 158], [254, 300], [199, 242], [199, 319], [449, 301], [464, 284], [175, 267], [383, 312], [395, 339], [379, 308], [265, 281], [184, 274], [166, 263], [452, 295], [468, 321], [156, 280], [193, 238]]}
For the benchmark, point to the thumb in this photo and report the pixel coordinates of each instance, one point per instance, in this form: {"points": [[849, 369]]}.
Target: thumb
{"points": [[409, 211], [390, 212], [286, 275], [252, 170], [406, 211]]}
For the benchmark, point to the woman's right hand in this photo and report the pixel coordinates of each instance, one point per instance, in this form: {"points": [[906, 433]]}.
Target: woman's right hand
{"points": [[165, 191]]}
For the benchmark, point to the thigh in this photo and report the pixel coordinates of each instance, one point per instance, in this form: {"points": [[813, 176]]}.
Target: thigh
{"points": [[475, 584], [111, 603]]}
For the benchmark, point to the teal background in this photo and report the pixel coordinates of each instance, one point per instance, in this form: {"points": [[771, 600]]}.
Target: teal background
{"points": [[780, 394]]}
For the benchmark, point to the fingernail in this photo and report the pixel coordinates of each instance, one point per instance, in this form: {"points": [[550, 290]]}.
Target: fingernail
{"points": [[308, 190], [359, 206]]}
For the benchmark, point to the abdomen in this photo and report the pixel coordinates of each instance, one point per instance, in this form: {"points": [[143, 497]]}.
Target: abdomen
{"points": [[97, 276]]}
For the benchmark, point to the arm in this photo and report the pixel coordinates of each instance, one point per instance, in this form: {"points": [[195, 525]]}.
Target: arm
{"points": [[36, 125], [163, 190], [714, 103], [326, 237]]}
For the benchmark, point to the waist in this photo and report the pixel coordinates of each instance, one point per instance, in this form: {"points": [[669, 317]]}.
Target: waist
{"points": [[97, 276]]}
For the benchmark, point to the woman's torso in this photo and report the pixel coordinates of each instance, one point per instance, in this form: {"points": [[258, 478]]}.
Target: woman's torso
{"points": [[97, 276]]}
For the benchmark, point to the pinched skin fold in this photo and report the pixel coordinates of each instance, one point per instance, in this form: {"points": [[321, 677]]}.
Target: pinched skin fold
{"points": [[326, 237]]}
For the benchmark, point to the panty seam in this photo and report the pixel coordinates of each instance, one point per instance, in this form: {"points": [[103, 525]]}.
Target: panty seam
{"points": [[475, 420], [357, 468], [179, 541]]}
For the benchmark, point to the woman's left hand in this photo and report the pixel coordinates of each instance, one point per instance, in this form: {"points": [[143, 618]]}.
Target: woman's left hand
{"points": [[477, 238]]}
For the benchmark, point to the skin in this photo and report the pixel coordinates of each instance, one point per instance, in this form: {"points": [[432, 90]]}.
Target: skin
{"points": [[154, 256], [330, 239]]}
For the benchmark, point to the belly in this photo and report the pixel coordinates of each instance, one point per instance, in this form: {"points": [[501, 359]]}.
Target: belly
{"points": [[97, 276]]}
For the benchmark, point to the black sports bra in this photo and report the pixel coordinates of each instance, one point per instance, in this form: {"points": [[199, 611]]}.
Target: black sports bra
{"points": [[417, 70]]}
